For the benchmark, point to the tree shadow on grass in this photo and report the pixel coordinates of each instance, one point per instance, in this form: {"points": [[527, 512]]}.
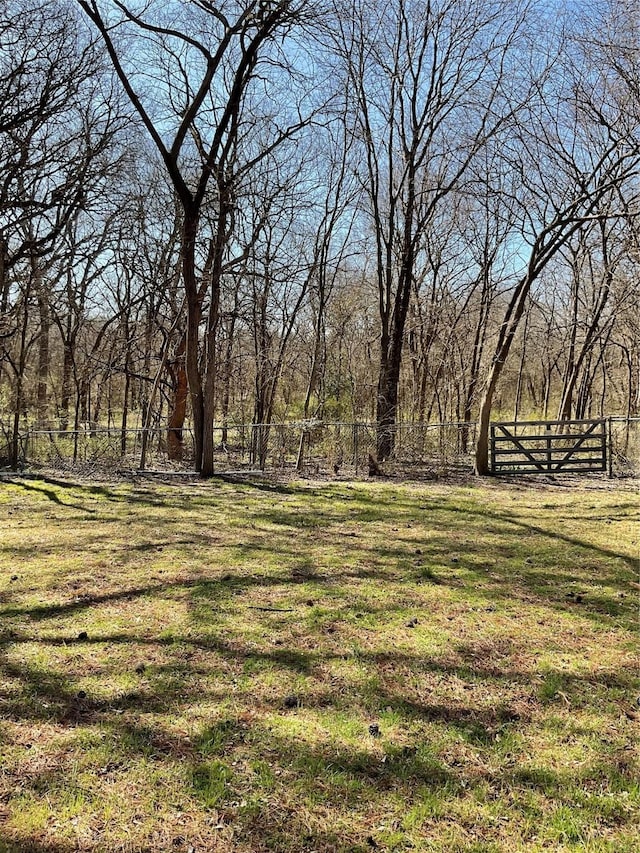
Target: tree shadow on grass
{"points": [[547, 585], [339, 775], [113, 494], [177, 682], [275, 807], [78, 603], [215, 590], [49, 494], [23, 844], [345, 771], [588, 547], [262, 485]]}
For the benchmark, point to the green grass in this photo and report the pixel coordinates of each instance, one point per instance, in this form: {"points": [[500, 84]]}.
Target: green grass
{"points": [[198, 666]]}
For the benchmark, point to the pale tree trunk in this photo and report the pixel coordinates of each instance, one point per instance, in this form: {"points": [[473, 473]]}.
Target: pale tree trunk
{"points": [[577, 356], [67, 377], [521, 369], [507, 333], [474, 376], [550, 240], [228, 370], [43, 360]]}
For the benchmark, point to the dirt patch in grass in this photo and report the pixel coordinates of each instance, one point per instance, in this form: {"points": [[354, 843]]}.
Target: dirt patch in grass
{"points": [[318, 666]]}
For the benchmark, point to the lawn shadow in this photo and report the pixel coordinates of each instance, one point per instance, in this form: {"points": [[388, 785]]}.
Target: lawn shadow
{"points": [[215, 661], [588, 547], [50, 494], [24, 844], [176, 682]]}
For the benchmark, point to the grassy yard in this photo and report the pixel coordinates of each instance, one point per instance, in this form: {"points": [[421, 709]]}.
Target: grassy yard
{"points": [[318, 667]]}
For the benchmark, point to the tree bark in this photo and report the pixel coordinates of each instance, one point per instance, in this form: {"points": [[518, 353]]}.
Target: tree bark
{"points": [[43, 360], [178, 410], [194, 316]]}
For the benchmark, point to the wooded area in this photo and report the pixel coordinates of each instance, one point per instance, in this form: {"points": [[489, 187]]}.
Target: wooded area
{"points": [[261, 212]]}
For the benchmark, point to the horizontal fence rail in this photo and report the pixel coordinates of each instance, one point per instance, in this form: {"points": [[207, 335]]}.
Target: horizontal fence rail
{"points": [[549, 447]]}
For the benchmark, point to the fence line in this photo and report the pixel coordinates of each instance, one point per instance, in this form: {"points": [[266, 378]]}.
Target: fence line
{"points": [[316, 446], [312, 447]]}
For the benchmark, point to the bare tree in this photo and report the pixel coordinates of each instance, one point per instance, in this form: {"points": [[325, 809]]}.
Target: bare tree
{"points": [[578, 158], [57, 130], [429, 83], [205, 74]]}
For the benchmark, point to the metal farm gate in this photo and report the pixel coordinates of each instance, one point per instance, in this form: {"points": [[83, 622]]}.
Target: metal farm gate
{"points": [[549, 447]]}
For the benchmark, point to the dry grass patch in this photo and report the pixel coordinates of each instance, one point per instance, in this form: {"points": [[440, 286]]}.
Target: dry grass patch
{"points": [[328, 667]]}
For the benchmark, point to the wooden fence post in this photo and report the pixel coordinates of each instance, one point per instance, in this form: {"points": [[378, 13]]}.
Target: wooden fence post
{"points": [[493, 449]]}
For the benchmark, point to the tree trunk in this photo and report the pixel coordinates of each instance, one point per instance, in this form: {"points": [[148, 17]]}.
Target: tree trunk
{"points": [[125, 408], [387, 409], [178, 413], [390, 364], [43, 360], [479, 338], [508, 331], [20, 368], [315, 364], [575, 364], [4, 278], [228, 362], [482, 468], [210, 361], [65, 398], [194, 315], [523, 361], [391, 351]]}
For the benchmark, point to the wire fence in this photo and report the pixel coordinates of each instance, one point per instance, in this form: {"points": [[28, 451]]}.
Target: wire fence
{"points": [[307, 447]]}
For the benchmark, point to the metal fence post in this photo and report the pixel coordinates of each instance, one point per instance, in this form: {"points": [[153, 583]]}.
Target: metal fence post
{"points": [[355, 446]]}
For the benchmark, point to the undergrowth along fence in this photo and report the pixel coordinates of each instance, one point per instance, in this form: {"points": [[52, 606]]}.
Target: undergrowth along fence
{"points": [[309, 447]]}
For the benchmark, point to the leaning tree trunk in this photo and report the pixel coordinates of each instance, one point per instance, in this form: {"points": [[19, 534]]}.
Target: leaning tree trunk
{"points": [[508, 331], [482, 468], [546, 246]]}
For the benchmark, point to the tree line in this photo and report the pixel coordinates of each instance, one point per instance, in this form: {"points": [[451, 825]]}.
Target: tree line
{"points": [[214, 213]]}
